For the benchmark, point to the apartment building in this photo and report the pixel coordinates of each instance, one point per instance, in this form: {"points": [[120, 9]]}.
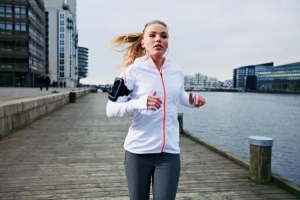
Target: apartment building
{"points": [[22, 42], [83, 58], [62, 41]]}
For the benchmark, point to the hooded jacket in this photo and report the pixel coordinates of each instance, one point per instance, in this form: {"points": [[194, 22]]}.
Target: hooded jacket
{"points": [[151, 131]]}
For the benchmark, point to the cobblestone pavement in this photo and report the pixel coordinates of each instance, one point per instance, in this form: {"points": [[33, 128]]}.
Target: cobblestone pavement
{"points": [[11, 93]]}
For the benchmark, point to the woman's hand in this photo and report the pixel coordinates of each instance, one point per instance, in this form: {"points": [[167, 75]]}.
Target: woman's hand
{"points": [[200, 101], [153, 102]]}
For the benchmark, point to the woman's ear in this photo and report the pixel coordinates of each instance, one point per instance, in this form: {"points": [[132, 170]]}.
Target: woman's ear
{"points": [[142, 44]]}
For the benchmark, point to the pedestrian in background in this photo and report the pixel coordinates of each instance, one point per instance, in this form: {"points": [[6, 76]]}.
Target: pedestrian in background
{"points": [[60, 84], [155, 86], [41, 81], [65, 84], [47, 82]]}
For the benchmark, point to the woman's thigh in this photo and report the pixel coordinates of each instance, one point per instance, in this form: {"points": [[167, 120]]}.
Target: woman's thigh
{"points": [[166, 176], [138, 169]]}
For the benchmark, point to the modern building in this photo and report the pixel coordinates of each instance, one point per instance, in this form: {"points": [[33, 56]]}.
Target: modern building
{"points": [[244, 77], [62, 41], [83, 62], [266, 77], [22, 42], [284, 78]]}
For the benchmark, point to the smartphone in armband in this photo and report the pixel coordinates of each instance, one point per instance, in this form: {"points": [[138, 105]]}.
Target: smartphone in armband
{"points": [[119, 89]]}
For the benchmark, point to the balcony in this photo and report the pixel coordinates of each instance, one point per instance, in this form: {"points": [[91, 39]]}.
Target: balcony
{"points": [[70, 25]]}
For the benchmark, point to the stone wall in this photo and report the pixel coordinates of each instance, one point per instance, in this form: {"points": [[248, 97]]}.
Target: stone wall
{"points": [[16, 114]]}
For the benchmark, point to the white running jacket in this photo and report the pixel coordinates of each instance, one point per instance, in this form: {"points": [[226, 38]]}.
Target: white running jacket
{"points": [[151, 131]]}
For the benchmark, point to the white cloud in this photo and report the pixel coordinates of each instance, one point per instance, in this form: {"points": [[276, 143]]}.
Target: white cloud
{"points": [[210, 37]]}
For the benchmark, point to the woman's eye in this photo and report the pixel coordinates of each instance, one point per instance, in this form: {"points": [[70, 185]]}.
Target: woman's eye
{"points": [[152, 35], [164, 36]]}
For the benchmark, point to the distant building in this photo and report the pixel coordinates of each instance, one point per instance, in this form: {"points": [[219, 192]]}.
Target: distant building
{"points": [[279, 78], [22, 42], [244, 77], [212, 82], [200, 82], [62, 41], [266, 77], [83, 57], [228, 84]]}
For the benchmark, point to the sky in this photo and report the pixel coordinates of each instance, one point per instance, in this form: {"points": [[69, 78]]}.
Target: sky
{"points": [[211, 37]]}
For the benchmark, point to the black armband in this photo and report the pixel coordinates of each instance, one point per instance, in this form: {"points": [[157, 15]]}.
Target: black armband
{"points": [[119, 89]]}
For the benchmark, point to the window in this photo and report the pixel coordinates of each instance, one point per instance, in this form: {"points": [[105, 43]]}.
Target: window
{"points": [[2, 8], [61, 55], [8, 9], [9, 26], [61, 35], [62, 68], [62, 74], [17, 26], [61, 42], [62, 61], [17, 10], [62, 22], [23, 10], [23, 27], [2, 25]]}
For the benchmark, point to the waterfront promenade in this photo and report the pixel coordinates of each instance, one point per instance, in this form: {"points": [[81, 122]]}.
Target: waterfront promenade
{"points": [[77, 152]]}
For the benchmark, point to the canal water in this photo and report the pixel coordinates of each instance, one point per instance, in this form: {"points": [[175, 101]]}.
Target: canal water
{"points": [[228, 119]]}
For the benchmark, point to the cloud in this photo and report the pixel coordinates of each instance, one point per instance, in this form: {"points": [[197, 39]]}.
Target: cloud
{"points": [[209, 37]]}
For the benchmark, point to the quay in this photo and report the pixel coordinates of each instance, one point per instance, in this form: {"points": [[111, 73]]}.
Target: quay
{"points": [[77, 152], [12, 93]]}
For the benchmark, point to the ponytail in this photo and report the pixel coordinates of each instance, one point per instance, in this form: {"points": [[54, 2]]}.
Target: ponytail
{"points": [[134, 50]]}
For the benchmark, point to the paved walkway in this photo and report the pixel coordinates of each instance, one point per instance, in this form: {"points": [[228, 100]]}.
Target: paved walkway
{"points": [[11, 93], [77, 153]]}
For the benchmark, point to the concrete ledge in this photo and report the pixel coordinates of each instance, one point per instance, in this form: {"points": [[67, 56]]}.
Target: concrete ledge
{"points": [[16, 114], [276, 179]]}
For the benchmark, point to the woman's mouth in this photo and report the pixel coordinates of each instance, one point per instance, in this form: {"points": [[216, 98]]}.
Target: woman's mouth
{"points": [[158, 46]]}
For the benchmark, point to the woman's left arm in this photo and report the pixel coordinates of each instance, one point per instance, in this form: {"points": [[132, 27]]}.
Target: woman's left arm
{"points": [[190, 100]]}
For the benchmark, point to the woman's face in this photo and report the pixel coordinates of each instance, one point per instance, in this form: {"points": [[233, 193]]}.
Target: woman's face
{"points": [[155, 40]]}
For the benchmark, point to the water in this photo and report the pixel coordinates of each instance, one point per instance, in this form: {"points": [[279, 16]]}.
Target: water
{"points": [[228, 119]]}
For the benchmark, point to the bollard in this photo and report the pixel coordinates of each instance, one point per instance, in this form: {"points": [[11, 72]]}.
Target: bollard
{"points": [[260, 159], [180, 120], [72, 97]]}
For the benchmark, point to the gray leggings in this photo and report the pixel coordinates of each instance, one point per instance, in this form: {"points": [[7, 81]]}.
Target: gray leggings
{"points": [[163, 168]]}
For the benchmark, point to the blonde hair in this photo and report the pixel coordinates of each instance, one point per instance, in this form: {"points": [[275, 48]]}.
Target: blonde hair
{"points": [[134, 48]]}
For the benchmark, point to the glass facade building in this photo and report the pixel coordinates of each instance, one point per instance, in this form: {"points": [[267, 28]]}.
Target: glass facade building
{"points": [[283, 78], [268, 78], [83, 56], [244, 77], [22, 42]]}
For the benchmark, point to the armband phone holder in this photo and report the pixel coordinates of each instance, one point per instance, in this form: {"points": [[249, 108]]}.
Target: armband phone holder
{"points": [[119, 89]]}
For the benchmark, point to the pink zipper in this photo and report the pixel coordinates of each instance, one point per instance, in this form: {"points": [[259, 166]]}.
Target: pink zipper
{"points": [[165, 112]]}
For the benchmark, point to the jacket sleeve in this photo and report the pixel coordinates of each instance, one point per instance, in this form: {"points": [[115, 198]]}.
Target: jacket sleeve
{"points": [[184, 96], [123, 107]]}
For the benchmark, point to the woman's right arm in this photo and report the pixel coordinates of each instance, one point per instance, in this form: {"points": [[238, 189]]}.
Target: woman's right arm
{"points": [[122, 107]]}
